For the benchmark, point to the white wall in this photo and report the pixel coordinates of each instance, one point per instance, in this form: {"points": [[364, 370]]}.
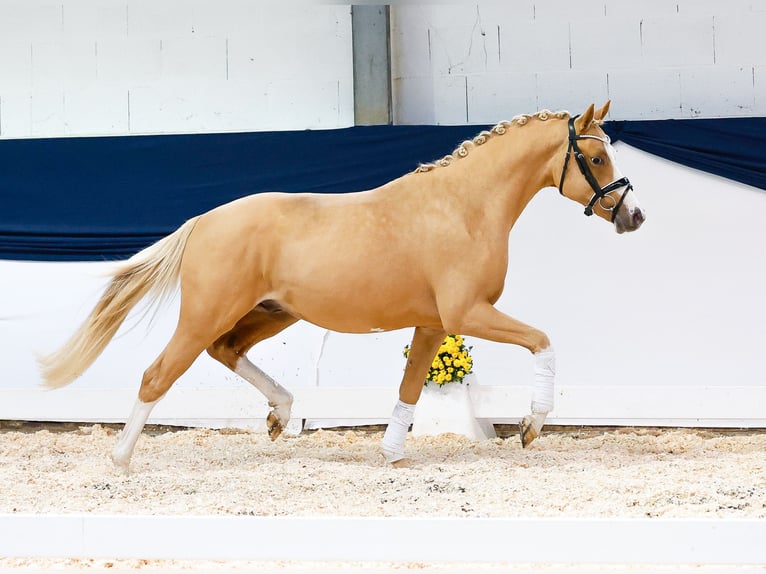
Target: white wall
{"points": [[93, 67], [482, 62], [115, 67]]}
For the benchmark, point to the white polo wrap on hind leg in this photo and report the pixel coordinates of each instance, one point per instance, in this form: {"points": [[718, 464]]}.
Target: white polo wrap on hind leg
{"points": [[545, 374], [396, 431], [280, 399], [123, 450]]}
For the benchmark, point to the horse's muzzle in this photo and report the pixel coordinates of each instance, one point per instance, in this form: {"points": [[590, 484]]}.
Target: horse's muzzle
{"points": [[629, 219]]}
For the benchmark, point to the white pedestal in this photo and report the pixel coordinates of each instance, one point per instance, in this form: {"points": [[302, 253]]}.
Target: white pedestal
{"points": [[449, 409]]}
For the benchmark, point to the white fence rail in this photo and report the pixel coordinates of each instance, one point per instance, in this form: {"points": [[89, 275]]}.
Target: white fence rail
{"points": [[507, 540], [243, 407]]}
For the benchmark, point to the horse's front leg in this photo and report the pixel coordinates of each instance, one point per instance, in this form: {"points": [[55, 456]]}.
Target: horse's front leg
{"points": [[542, 396], [425, 344], [486, 322]]}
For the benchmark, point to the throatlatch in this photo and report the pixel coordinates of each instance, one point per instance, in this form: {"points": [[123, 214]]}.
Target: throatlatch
{"points": [[598, 191]]}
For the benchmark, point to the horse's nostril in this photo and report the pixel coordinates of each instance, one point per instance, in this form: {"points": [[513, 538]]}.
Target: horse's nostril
{"points": [[638, 217]]}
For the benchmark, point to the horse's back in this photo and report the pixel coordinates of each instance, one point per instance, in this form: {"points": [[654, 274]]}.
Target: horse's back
{"points": [[341, 260]]}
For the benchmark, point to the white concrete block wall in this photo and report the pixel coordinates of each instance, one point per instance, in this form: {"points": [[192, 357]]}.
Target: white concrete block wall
{"points": [[441, 99], [656, 59], [108, 67], [736, 99], [730, 29], [616, 49], [534, 46], [646, 93], [559, 89], [64, 63], [129, 61], [490, 96], [111, 67], [677, 41]]}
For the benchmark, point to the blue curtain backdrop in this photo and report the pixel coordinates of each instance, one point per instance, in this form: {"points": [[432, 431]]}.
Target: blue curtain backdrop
{"points": [[734, 148], [79, 199]]}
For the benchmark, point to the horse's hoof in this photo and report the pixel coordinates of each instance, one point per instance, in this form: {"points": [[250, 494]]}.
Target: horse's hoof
{"points": [[274, 426], [120, 465], [401, 463], [527, 431]]}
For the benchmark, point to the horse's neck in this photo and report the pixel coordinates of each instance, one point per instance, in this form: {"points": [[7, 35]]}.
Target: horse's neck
{"points": [[501, 177]]}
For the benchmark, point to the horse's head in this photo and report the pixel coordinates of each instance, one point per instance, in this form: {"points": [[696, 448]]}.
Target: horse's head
{"points": [[590, 176]]}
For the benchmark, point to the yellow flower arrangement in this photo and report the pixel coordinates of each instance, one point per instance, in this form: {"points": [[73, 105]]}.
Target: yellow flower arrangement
{"points": [[452, 362]]}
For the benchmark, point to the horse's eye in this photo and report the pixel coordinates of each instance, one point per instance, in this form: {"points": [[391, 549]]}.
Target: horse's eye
{"points": [[597, 160]]}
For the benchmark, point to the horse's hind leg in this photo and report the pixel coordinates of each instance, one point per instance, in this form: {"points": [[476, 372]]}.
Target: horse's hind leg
{"points": [[231, 350], [178, 356], [199, 324]]}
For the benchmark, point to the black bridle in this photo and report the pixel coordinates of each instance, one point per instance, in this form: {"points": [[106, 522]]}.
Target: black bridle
{"points": [[598, 191]]}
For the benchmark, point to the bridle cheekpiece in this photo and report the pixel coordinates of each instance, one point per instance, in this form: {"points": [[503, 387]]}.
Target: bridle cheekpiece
{"points": [[598, 192]]}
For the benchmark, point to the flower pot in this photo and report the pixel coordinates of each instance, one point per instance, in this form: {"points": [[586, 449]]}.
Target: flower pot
{"points": [[449, 409]]}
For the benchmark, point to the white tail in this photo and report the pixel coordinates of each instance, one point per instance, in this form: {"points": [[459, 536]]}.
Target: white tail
{"points": [[153, 271]]}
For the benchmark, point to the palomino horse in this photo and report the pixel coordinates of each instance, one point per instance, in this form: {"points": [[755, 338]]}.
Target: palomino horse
{"points": [[358, 263]]}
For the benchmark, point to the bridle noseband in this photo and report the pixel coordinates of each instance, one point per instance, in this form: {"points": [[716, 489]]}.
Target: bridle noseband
{"points": [[598, 191]]}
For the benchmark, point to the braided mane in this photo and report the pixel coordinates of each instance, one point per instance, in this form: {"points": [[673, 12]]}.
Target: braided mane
{"points": [[464, 148]]}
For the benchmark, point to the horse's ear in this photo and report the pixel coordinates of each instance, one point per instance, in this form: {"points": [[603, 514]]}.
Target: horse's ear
{"points": [[583, 122], [600, 114]]}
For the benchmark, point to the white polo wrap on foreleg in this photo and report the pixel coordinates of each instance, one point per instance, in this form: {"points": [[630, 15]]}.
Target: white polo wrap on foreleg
{"points": [[545, 373], [396, 431]]}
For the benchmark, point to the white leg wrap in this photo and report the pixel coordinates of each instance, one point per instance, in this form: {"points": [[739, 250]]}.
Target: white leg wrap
{"points": [[396, 431], [123, 450], [545, 373], [280, 399]]}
